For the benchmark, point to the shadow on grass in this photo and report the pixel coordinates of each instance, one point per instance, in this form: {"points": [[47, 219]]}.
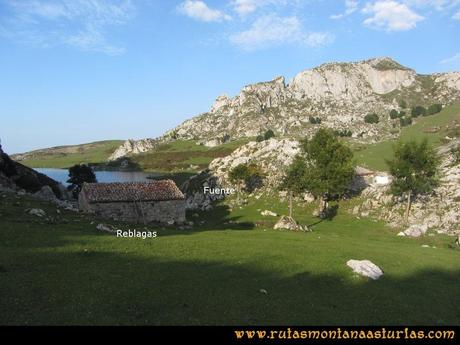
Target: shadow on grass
{"points": [[107, 288], [330, 213]]}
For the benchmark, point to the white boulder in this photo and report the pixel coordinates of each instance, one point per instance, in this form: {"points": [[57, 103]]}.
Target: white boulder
{"points": [[365, 268]]}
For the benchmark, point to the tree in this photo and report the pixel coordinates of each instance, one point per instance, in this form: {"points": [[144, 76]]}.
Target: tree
{"points": [[254, 179], [417, 111], [325, 168], [394, 114], [314, 120], [79, 174], [414, 169], [405, 121], [403, 104], [434, 109], [237, 176], [269, 134], [293, 182], [371, 118]]}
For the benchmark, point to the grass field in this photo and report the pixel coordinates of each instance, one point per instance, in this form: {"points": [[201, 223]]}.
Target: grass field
{"points": [[373, 156], [184, 155], [67, 156], [63, 271]]}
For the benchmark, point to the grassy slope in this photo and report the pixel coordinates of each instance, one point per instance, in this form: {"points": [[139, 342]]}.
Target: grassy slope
{"points": [[373, 156], [96, 152], [65, 272], [179, 155]]}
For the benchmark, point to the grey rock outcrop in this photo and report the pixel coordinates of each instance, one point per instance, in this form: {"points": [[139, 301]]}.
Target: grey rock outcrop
{"points": [[134, 147]]}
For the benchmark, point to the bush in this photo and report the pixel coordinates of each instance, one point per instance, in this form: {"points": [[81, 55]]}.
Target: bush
{"points": [[371, 118], [394, 114], [405, 121], [402, 113], [403, 104], [314, 120], [456, 153], [343, 133], [269, 134], [417, 111], [434, 109], [260, 138]]}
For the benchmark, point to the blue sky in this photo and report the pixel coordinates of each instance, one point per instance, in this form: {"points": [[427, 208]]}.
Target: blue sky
{"points": [[74, 71]]}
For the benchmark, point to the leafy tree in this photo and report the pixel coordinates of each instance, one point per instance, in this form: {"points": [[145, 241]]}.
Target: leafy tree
{"points": [[417, 111], [415, 169], [325, 168], [394, 114], [294, 182], [405, 121], [254, 179], [269, 134], [403, 104], [237, 176], [79, 174], [434, 109], [371, 118], [314, 120]]}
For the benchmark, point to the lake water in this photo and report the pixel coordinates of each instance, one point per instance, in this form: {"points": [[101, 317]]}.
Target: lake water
{"points": [[62, 175]]}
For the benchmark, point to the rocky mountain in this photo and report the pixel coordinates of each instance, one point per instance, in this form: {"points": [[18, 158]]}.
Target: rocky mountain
{"points": [[340, 94]]}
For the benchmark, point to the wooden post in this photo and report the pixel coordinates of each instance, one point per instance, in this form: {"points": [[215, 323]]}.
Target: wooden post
{"points": [[290, 204], [409, 203]]}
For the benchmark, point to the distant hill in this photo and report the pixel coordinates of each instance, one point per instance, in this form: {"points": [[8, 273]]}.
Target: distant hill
{"points": [[67, 156]]}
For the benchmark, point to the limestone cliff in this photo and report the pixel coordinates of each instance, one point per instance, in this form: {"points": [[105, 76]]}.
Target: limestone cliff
{"points": [[340, 94]]}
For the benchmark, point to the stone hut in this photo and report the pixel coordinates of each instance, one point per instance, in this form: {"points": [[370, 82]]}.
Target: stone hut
{"points": [[136, 202]]}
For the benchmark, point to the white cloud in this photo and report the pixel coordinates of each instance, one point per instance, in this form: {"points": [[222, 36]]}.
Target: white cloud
{"points": [[391, 15], [350, 7], [439, 5], [452, 59], [246, 7], [272, 30], [456, 16], [78, 23], [318, 39], [200, 11]]}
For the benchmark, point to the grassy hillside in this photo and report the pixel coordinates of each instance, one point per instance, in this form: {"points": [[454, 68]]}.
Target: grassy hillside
{"points": [[66, 156], [434, 128], [63, 271], [184, 155]]}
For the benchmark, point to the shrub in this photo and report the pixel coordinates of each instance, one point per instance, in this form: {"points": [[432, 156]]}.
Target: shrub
{"points": [[403, 104], [417, 111], [434, 109], [394, 114], [402, 113], [343, 133], [314, 120], [269, 134], [456, 153], [405, 121], [371, 118], [260, 138]]}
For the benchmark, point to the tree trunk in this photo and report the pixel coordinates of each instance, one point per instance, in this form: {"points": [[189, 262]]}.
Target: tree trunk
{"points": [[409, 204], [290, 204]]}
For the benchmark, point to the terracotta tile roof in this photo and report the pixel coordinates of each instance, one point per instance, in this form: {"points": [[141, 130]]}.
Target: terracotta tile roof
{"points": [[132, 191]]}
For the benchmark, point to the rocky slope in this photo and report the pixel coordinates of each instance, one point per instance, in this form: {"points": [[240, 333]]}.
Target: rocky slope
{"points": [[340, 94]]}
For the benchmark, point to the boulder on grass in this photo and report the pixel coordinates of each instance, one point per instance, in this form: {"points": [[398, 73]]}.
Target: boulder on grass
{"points": [[365, 268], [268, 213], [415, 230], [287, 223]]}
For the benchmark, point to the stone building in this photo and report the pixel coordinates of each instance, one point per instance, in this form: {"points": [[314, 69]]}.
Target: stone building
{"points": [[136, 202]]}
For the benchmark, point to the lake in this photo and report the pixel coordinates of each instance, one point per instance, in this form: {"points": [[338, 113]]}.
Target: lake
{"points": [[62, 175]]}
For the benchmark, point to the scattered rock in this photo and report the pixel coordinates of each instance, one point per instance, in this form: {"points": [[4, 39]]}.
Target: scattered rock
{"points": [[106, 228], [287, 223], [37, 212], [365, 268], [308, 197], [269, 213], [46, 194], [263, 291], [416, 230]]}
